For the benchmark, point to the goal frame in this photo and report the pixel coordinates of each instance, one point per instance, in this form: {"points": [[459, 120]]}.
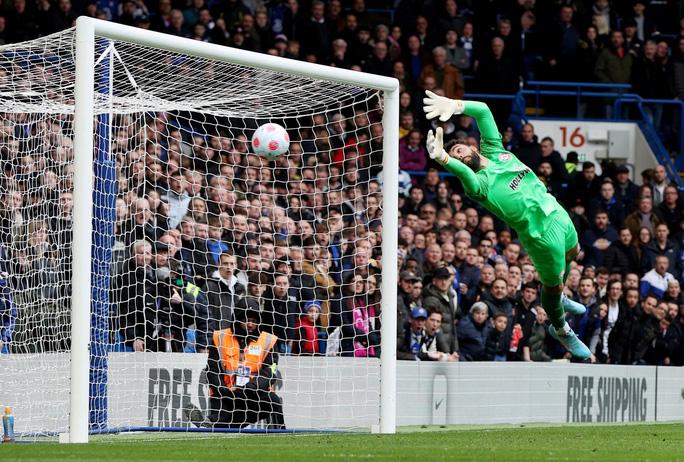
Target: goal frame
{"points": [[87, 30]]}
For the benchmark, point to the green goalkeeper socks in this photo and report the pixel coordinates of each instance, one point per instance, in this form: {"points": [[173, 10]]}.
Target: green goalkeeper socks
{"points": [[568, 266], [551, 302]]}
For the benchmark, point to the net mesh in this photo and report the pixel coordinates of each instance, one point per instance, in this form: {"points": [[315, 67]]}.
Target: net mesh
{"points": [[193, 235]]}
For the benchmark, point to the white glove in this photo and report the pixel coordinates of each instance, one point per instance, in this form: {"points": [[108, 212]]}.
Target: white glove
{"points": [[435, 146], [436, 105]]}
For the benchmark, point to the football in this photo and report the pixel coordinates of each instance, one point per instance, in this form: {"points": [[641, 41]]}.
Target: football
{"points": [[270, 141]]}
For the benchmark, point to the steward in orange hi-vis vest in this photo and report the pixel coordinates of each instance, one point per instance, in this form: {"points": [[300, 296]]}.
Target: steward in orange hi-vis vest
{"points": [[241, 364], [242, 371]]}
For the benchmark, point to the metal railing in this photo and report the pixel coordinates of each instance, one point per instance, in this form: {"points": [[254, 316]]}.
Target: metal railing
{"points": [[620, 96], [581, 89], [630, 98]]}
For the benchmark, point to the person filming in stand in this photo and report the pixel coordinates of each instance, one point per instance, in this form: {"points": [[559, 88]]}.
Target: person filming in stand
{"points": [[506, 187]]}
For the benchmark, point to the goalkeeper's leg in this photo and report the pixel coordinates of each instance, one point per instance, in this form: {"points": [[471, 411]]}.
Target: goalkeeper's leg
{"points": [[559, 329], [550, 257], [569, 305]]}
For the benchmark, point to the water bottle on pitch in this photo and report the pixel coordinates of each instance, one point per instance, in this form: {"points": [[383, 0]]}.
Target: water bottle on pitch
{"points": [[8, 426]]}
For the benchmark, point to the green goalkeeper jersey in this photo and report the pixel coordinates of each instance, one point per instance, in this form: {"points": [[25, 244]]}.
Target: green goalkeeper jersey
{"points": [[506, 187]]}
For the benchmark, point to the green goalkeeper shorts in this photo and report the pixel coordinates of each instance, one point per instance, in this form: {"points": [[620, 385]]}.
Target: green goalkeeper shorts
{"points": [[548, 252]]}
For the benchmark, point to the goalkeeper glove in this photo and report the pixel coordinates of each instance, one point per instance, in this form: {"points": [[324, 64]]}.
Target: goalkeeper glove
{"points": [[435, 146], [436, 105]]}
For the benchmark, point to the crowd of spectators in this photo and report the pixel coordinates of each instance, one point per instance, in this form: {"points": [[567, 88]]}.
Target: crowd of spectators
{"points": [[464, 270], [452, 45], [204, 228]]}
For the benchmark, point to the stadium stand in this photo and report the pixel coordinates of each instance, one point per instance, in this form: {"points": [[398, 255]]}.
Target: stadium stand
{"points": [[455, 259]]}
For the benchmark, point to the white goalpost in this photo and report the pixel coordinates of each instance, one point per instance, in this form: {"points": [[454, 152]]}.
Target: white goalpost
{"points": [[127, 155]]}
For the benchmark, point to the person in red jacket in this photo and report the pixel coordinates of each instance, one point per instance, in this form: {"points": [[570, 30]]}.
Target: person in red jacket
{"points": [[306, 341], [412, 153]]}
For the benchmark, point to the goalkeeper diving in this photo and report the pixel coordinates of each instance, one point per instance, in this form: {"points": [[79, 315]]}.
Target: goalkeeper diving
{"points": [[506, 187]]}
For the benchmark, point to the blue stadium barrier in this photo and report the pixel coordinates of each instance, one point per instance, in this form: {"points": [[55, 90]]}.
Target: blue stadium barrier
{"points": [[119, 346], [640, 103], [104, 216], [255, 431], [620, 98], [579, 90], [519, 103], [190, 341], [322, 342], [422, 173]]}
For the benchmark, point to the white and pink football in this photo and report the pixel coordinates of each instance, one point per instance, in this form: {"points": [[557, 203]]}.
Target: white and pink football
{"points": [[270, 141]]}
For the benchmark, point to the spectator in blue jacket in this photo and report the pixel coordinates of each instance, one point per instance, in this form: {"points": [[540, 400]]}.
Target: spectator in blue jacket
{"points": [[597, 239], [472, 332], [608, 202], [662, 245], [655, 282], [8, 314]]}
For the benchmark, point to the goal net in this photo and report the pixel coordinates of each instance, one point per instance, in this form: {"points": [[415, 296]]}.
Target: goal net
{"points": [[194, 284]]}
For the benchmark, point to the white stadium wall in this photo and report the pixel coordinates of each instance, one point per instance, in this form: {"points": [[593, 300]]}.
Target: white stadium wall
{"points": [[150, 389], [491, 393], [670, 393], [39, 401]]}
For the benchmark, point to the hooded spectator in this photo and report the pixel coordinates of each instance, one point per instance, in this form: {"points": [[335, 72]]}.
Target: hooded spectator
{"points": [[473, 331]]}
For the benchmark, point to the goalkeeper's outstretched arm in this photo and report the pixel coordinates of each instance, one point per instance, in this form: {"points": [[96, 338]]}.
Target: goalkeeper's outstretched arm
{"points": [[436, 105], [435, 148]]}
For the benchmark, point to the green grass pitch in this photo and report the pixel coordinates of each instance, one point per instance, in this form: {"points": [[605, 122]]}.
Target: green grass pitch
{"points": [[654, 442]]}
